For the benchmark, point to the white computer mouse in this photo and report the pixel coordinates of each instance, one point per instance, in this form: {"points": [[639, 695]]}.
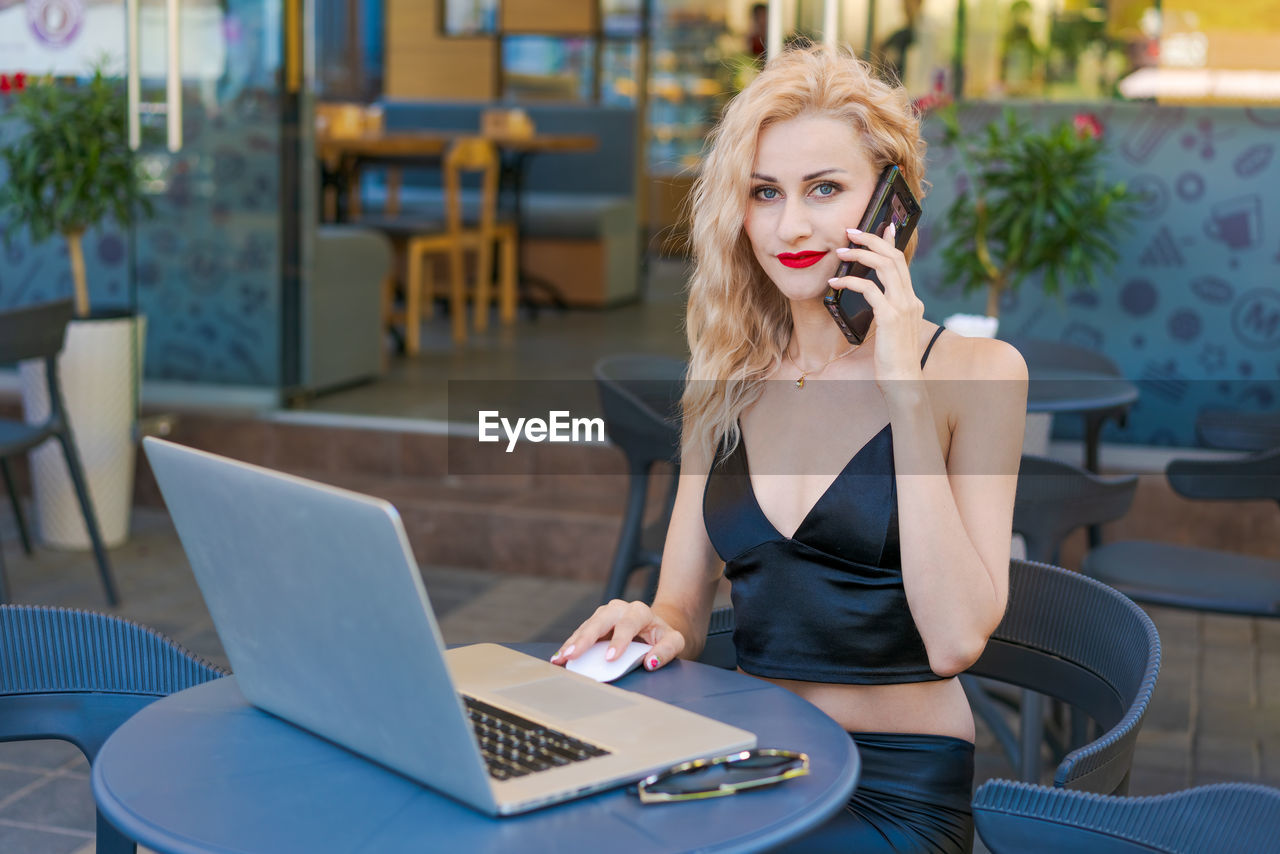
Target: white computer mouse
{"points": [[592, 663]]}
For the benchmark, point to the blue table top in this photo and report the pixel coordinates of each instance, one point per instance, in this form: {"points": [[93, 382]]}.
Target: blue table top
{"points": [[1068, 390], [205, 771]]}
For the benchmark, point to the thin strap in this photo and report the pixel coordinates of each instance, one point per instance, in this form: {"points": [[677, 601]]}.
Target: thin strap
{"points": [[925, 357]]}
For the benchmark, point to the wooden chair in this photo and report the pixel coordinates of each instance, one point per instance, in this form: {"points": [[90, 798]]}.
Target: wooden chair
{"points": [[465, 155]]}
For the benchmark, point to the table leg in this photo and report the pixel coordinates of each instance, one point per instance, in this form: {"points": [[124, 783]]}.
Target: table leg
{"points": [[512, 173], [1092, 439]]}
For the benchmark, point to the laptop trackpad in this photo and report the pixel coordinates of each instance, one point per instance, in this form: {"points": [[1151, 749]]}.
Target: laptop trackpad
{"points": [[564, 698]]}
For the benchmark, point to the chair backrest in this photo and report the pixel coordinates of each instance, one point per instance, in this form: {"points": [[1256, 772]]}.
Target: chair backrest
{"points": [[719, 649], [1068, 636], [1060, 355], [1054, 498], [1238, 430], [1242, 818], [1250, 478], [471, 154], [76, 675], [640, 398], [34, 331]]}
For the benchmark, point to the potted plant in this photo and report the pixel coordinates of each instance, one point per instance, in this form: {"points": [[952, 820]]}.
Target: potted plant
{"points": [[69, 168], [1032, 203]]}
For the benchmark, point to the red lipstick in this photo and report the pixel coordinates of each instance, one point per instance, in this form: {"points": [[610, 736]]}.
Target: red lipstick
{"points": [[800, 259]]}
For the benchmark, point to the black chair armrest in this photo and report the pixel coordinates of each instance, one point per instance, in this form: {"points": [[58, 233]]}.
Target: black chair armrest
{"points": [[1253, 477]]}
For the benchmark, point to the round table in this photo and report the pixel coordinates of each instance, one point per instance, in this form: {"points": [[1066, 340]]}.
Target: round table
{"points": [[1095, 395], [204, 771]]}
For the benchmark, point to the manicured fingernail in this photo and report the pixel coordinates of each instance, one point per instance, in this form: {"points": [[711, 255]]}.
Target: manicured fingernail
{"points": [[853, 231], [893, 230], [610, 654], [653, 662], [562, 653], [832, 281]]}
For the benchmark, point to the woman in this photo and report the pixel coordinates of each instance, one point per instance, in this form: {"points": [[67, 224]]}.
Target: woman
{"points": [[867, 540]]}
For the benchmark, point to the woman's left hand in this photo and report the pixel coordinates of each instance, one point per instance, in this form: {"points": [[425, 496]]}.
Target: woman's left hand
{"points": [[898, 311]]}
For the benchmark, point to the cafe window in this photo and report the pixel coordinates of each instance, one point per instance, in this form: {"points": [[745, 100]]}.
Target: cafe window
{"points": [[349, 49]]}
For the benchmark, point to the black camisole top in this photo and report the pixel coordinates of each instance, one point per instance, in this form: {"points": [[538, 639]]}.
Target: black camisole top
{"points": [[827, 604]]}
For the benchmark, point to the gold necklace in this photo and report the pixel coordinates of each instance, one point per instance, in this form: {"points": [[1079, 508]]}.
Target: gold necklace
{"points": [[803, 374]]}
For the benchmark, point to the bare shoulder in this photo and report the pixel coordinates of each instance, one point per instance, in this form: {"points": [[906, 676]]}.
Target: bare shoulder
{"points": [[958, 357], [997, 360]]}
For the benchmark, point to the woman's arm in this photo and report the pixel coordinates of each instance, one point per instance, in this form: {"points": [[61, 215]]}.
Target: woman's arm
{"points": [[676, 624], [955, 516]]}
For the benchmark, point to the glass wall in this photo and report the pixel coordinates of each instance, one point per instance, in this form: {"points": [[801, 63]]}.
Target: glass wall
{"points": [[206, 268]]}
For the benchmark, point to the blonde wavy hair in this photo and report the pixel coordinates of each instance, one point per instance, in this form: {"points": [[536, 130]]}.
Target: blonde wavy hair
{"points": [[737, 322]]}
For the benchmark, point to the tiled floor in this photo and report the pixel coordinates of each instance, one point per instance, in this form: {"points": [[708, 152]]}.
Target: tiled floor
{"points": [[1216, 713], [551, 346]]}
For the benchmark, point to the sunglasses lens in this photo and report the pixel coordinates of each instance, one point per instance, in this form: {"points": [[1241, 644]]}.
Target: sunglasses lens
{"points": [[709, 778]]}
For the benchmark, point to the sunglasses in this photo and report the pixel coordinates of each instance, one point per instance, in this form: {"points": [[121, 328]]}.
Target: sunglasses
{"points": [[723, 775]]}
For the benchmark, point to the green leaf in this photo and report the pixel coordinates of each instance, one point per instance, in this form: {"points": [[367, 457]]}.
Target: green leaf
{"points": [[69, 165], [1049, 210]]}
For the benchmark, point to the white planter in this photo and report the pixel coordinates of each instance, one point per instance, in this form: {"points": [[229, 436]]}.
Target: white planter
{"points": [[98, 369], [1035, 438], [972, 325]]}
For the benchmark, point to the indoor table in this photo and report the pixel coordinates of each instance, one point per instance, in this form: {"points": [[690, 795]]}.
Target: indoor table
{"points": [[204, 771], [342, 158]]}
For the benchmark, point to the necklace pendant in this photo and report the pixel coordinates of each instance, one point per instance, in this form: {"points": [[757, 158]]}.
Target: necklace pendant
{"points": [[800, 382]]}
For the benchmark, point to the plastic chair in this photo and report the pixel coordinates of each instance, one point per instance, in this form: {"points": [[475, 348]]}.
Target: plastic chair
{"points": [[1053, 499], [1242, 818], [719, 650], [37, 332], [1071, 638], [1178, 576], [1233, 430], [76, 676], [640, 398]]}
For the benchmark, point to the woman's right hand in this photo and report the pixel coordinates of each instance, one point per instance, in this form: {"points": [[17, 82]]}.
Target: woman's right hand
{"points": [[622, 622]]}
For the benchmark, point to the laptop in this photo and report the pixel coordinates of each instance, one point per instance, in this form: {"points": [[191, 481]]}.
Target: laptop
{"points": [[322, 612]]}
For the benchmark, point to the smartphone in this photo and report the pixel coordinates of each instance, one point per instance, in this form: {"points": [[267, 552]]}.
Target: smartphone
{"points": [[892, 202]]}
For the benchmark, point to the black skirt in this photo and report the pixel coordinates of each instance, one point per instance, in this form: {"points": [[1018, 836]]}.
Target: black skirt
{"points": [[914, 795]]}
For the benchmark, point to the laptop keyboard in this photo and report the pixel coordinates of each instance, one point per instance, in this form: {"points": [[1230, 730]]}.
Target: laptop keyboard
{"points": [[514, 746]]}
